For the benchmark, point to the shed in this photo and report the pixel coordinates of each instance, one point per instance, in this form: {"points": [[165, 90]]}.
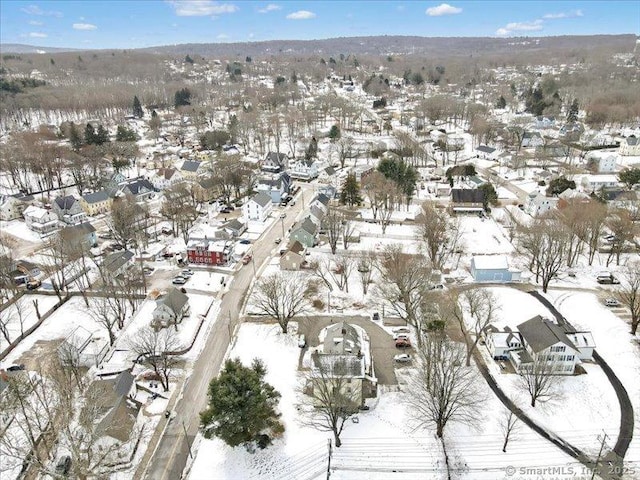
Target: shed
{"points": [[492, 268]]}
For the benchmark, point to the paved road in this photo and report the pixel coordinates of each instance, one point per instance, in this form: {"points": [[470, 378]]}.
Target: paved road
{"points": [[171, 454]]}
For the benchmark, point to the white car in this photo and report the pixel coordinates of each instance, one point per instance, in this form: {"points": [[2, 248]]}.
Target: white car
{"points": [[612, 302], [398, 336], [401, 330], [402, 358]]}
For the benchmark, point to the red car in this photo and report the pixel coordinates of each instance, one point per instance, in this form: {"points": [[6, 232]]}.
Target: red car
{"points": [[246, 259], [403, 343]]}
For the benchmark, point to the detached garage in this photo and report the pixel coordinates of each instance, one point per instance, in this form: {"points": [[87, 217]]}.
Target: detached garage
{"points": [[493, 268]]}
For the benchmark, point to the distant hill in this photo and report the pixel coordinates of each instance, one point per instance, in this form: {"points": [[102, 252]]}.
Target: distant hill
{"points": [[21, 48], [376, 45]]}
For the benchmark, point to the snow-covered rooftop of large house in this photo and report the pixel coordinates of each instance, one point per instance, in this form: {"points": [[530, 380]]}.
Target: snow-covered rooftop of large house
{"points": [[490, 262], [582, 339], [540, 333], [485, 149]]}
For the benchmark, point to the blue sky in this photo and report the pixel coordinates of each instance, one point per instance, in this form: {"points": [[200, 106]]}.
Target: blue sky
{"points": [[132, 23]]}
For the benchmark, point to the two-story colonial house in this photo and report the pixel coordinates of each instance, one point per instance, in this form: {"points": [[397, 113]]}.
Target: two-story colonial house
{"points": [[258, 207], [171, 308], [96, 203], [40, 220], [69, 210]]}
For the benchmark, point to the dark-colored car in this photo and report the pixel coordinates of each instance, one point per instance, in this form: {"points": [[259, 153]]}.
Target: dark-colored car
{"points": [[403, 343]]}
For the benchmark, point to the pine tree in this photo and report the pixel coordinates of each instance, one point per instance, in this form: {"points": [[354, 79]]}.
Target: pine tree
{"points": [[242, 406], [350, 194], [137, 108], [573, 111], [182, 97], [501, 102], [124, 134], [188, 59], [102, 136], [334, 133], [74, 137], [90, 135]]}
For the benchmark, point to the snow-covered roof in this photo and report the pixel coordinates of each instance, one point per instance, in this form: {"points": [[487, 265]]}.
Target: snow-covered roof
{"points": [[490, 262]]}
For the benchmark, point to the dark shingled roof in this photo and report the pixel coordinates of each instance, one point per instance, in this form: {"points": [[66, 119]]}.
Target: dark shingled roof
{"points": [[467, 195], [540, 334], [95, 197], [190, 166], [261, 199], [65, 203], [175, 300]]}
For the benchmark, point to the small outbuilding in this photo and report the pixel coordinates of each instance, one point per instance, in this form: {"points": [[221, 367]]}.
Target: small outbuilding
{"points": [[493, 268]]}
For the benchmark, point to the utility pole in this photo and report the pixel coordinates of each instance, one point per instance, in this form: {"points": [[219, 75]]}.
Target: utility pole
{"points": [[329, 462], [602, 439]]}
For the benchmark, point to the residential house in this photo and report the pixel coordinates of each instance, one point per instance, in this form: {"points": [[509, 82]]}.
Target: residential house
{"points": [[258, 207], [327, 175], [553, 149], [538, 204], [112, 182], [96, 203], [69, 210], [488, 153], [275, 162], [602, 163], [345, 352], [139, 188], [316, 214], [304, 169], [293, 258], [233, 228], [630, 146], [82, 235], [117, 263], [571, 131], [328, 190], [206, 250], [205, 189], [362, 171], [531, 140], [595, 183], [321, 201], [467, 200], [40, 220], [170, 309], [545, 341], [493, 268], [165, 177], [275, 185], [500, 343], [545, 121], [12, 206], [190, 168], [620, 198], [304, 232]]}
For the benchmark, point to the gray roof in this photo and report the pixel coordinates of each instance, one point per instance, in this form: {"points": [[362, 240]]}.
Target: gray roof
{"points": [[96, 197], [632, 140], [296, 247], [85, 228], [341, 338], [322, 198], [485, 149], [234, 224], [316, 212], [340, 365], [123, 384], [540, 334], [261, 199], [115, 260], [65, 203], [190, 166], [276, 158], [467, 195], [137, 186], [308, 226], [330, 170], [175, 300]]}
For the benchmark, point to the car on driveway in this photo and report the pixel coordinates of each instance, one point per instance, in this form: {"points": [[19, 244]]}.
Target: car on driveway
{"points": [[246, 259], [15, 368], [612, 302], [278, 240], [397, 336], [403, 343], [179, 281], [401, 330], [245, 241], [402, 358], [187, 272]]}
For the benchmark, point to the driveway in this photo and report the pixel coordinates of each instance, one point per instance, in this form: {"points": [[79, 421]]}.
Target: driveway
{"points": [[382, 344]]}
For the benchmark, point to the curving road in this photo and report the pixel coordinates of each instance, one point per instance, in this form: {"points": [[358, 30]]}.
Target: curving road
{"points": [[171, 454]]}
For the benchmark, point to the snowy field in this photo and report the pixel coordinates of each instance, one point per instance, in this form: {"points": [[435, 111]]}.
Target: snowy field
{"points": [[21, 315], [483, 236], [19, 229]]}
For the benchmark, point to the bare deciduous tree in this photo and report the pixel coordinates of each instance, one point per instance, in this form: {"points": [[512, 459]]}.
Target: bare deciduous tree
{"points": [[545, 243], [282, 296], [482, 305], [367, 262], [440, 234], [157, 348], [332, 223], [623, 230], [509, 426], [334, 398], [629, 294], [540, 378]]}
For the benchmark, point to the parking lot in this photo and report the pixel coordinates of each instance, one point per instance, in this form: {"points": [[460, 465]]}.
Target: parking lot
{"points": [[382, 344]]}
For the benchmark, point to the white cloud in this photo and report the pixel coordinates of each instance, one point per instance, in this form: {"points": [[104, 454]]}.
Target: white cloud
{"points": [[36, 10], [301, 15], [513, 27], [84, 26], [442, 9], [571, 14], [201, 8], [251, 35], [272, 7], [38, 35], [223, 36], [36, 23]]}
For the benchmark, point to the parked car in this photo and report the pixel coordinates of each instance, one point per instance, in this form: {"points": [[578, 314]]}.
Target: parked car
{"points": [[612, 302], [15, 367], [187, 272], [401, 330], [63, 467], [278, 240], [398, 336], [375, 317], [34, 284], [283, 215], [283, 251], [179, 281], [245, 241], [439, 286], [293, 203], [402, 358], [246, 259], [403, 343], [607, 280], [302, 341]]}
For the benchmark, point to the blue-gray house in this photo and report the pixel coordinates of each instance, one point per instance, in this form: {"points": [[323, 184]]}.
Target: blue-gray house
{"points": [[493, 268]]}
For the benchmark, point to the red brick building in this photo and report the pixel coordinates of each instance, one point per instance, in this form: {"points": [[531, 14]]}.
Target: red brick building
{"points": [[208, 251]]}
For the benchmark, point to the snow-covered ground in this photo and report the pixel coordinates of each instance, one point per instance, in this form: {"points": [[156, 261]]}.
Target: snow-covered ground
{"points": [[19, 229]]}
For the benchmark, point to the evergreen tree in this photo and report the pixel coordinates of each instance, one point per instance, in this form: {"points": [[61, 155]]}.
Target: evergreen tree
{"points": [[233, 128], [124, 134], [312, 149], [630, 176], [101, 136], [572, 116], [248, 59], [74, 137], [137, 108], [242, 406], [350, 194], [188, 59], [89, 135], [559, 185], [334, 133], [182, 97], [490, 195], [501, 102]]}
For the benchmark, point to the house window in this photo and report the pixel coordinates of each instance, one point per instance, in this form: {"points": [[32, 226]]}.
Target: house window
{"points": [[570, 358], [559, 348]]}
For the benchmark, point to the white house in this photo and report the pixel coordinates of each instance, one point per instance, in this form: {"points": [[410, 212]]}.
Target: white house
{"points": [[630, 146], [171, 308], [40, 220], [165, 177], [607, 164], [304, 169], [501, 343], [488, 153], [594, 183], [83, 348], [12, 206], [532, 139], [538, 204], [258, 208]]}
